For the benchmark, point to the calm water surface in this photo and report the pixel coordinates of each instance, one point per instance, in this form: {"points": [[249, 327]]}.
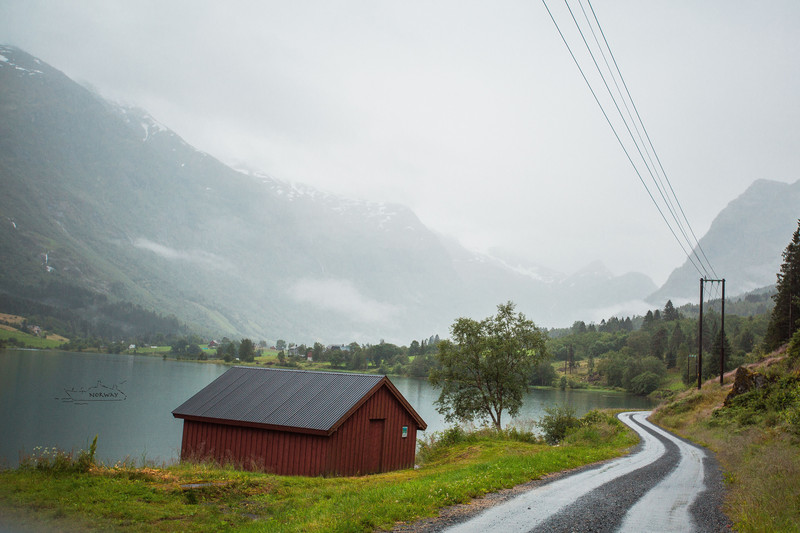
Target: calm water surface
{"points": [[64, 399]]}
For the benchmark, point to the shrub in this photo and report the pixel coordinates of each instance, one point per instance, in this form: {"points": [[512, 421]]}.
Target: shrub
{"points": [[557, 423], [645, 383]]}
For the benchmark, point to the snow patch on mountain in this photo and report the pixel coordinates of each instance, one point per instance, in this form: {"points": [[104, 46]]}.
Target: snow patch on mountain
{"points": [[6, 55], [381, 214]]}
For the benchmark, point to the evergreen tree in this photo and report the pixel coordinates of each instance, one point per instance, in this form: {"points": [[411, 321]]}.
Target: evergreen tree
{"points": [[648, 320], [677, 340], [658, 343], [786, 313], [670, 313], [711, 361]]}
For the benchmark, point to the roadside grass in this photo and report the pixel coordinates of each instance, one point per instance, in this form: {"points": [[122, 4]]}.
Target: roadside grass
{"points": [[129, 498], [757, 442]]}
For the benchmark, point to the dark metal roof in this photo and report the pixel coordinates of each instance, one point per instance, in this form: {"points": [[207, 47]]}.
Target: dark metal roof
{"points": [[276, 397]]}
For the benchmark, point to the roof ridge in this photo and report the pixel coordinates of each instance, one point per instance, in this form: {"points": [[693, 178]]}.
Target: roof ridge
{"points": [[300, 370]]}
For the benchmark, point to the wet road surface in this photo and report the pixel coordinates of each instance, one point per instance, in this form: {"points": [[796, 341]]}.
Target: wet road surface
{"points": [[665, 485]]}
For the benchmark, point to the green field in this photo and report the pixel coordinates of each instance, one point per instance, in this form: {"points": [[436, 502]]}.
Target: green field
{"points": [[26, 340]]}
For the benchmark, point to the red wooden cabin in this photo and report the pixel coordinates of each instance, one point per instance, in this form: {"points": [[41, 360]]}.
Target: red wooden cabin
{"points": [[294, 422]]}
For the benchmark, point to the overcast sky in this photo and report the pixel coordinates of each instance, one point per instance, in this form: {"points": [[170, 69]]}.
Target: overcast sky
{"points": [[470, 113]]}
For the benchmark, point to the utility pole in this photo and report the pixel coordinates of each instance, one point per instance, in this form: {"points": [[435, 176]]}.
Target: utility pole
{"points": [[700, 340], [722, 340], [700, 335]]}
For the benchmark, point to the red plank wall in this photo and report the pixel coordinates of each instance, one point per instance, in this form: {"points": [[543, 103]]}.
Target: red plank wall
{"points": [[352, 449]]}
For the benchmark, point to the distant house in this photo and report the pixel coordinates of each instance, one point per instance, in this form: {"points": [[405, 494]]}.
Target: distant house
{"points": [[342, 347], [213, 344], [294, 422]]}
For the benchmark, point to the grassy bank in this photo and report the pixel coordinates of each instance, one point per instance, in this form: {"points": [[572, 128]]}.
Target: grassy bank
{"points": [[202, 497], [756, 439]]}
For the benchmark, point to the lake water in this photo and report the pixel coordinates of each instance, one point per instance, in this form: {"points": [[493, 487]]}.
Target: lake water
{"points": [[64, 399]]}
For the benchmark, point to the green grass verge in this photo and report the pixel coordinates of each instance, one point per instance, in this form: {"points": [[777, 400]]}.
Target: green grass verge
{"points": [[152, 499]]}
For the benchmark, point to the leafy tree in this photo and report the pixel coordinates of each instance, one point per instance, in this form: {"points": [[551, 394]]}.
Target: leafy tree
{"points": [[613, 368], [786, 313], [336, 356], [179, 346], [384, 351], [636, 367], [247, 351], [413, 348], [485, 368], [280, 344], [422, 365], [358, 360], [193, 350], [318, 352], [543, 374]]}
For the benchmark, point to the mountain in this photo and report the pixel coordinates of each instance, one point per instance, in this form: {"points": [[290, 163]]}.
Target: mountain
{"points": [[102, 198], [744, 242]]}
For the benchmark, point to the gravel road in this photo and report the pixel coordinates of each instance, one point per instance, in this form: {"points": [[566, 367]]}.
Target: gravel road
{"points": [[665, 485]]}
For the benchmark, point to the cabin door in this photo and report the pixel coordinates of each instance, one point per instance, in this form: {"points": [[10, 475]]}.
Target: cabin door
{"points": [[374, 444]]}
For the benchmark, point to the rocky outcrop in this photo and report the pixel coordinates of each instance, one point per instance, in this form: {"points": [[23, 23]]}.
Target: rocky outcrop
{"points": [[745, 381]]}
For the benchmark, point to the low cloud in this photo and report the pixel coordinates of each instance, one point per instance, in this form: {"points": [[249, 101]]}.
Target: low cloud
{"points": [[196, 257], [622, 310], [341, 296]]}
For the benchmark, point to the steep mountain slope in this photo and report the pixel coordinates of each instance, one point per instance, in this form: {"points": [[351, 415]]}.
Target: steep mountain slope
{"points": [[744, 243], [104, 198]]}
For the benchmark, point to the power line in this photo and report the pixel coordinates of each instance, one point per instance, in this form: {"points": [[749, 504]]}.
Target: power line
{"points": [[655, 177], [649, 141], [668, 197]]}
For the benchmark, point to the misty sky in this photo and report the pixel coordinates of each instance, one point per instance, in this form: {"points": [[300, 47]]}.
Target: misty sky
{"points": [[470, 113]]}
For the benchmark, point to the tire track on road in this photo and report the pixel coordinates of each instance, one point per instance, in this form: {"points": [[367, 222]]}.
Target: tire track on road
{"points": [[655, 488], [604, 509]]}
